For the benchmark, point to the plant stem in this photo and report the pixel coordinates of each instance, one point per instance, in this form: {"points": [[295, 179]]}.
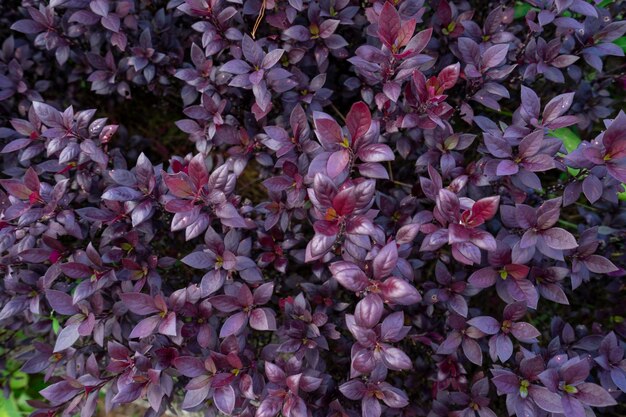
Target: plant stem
{"points": [[569, 225], [338, 112]]}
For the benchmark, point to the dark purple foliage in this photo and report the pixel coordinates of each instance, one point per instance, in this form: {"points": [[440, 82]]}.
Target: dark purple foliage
{"points": [[327, 208]]}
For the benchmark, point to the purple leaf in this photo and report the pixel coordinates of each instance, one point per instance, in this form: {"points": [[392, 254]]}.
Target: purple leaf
{"points": [[224, 398], [507, 167], [396, 359], [199, 260], [353, 389], [349, 275], [145, 327], [368, 311], [407, 233], [168, 324], [195, 397], [76, 270], [27, 26], [122, 194], [594, 395], [524, 331], [558, 238], [557, 107], [599, 264], [494, 56], [67, 337], [385, 261], [486, 324], [358, 121], [592, 187], [235, 323], [139, 303], [530, 102], [328, 132], [189, 366], [389, 25], [483, 278], [545, 399], [261, 319], [376, 152], [60, 392], [337, 162], [61, 302], [398, 291]]}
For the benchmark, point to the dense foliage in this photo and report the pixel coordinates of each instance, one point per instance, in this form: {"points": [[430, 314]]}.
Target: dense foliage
{"points": [[314, 207]]}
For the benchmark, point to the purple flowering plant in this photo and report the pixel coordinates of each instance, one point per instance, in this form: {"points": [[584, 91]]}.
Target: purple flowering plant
{"points": [[320, 208]]}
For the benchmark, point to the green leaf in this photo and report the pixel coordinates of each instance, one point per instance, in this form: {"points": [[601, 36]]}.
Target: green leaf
{"points": [[622, 195], [621, 42], [571, 140], [605, 3], [18, 380], [8, 407], [521, 9], [55, 325], [22, 404]]}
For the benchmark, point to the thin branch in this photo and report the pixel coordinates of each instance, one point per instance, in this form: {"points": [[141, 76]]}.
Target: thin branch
{"points": [[569, 225], [402, 184], [338, 112], [259, 19]]}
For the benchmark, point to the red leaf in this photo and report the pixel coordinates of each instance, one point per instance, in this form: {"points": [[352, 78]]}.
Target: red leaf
{"points": [[385, 261], [16, 188], [482, 210], [389, 25], [449, 76], [405, 33], [517, 271], [262, 319], [418, 42], [179, 185], [358, 120], [337, 162], [344, 202], [328, 132], [198, 172]]}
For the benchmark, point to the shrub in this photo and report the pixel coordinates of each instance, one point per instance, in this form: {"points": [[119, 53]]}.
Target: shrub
{"points": [[314, 208]]}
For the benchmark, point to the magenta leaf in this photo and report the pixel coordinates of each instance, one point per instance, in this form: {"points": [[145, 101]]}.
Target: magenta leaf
{"points": [[139, 303], [368, 311], [398, 291], [389, 25], [349, 275], [358, 120], [385, 261], [262, 319]]}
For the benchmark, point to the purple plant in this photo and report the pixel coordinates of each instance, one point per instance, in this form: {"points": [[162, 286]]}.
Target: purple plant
{"points": [[314, 208]]}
